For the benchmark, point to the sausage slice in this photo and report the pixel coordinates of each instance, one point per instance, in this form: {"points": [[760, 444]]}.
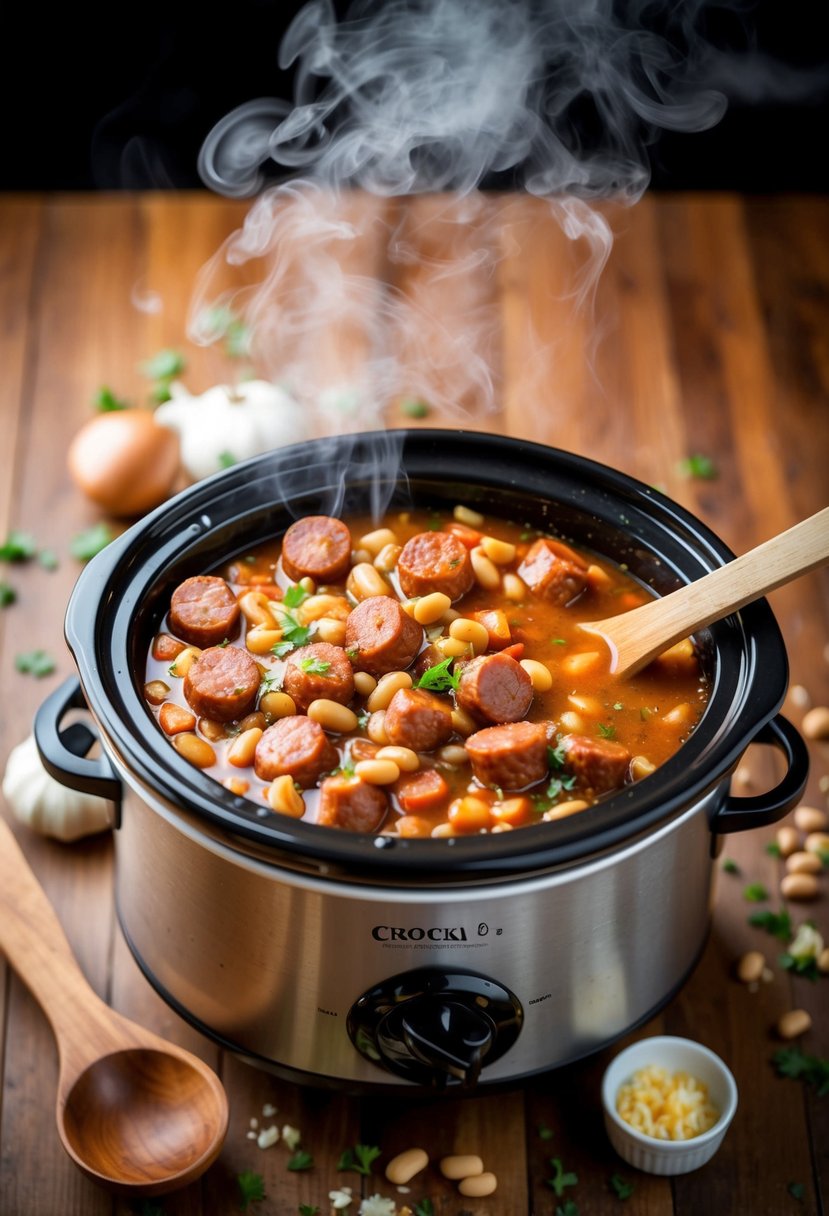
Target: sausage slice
{"points": [[421, 791], [318, 670], [511, 756], [295, 746], [349, 803], [435, 561], [204, 611], [222, 684], [317, 547], [554, 571], [381, 636], [418, 719], [599, 764], [495, 688]]}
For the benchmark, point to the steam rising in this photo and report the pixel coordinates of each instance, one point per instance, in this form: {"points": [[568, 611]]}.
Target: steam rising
{"points": [[355, 304]]}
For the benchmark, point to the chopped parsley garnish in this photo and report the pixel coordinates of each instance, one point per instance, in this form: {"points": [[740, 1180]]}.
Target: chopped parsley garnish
{"points": [[778, 924], [804, 965], [568, 1208], [413, 407], [729, 866], [556, 756], [85, 545], [226, 460], [308, 1209], [558, 641], [163, 366], [48, 559], [698, 466], [106, 401], [644, 713], [7, 595], [794, 1063], [293, 635], [607, 732], [558, 785], [773, 849], [223, 322], [439, 678], [618, 705], [314, 666], [424, 1208], [35, 663], [352, 653], [362, 719], [544, 1132], [755, 893], [18, 547], [270, 681], [435, 524], [526, 536], [359, 1158], [561, 1179], [300, 1160], [252, 1188], [621, 1188], [294, 596]]}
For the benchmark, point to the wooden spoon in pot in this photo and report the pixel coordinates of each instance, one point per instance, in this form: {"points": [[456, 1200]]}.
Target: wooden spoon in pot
{"points": [[137, 1114], [638, 636]]}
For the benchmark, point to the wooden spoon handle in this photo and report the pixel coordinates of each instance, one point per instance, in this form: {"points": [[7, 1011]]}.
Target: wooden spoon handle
{"points": [[35, 944], [640, 635]]}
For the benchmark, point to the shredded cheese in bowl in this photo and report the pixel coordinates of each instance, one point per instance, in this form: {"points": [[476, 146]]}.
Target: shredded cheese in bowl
{"points": [[665, 1105]]}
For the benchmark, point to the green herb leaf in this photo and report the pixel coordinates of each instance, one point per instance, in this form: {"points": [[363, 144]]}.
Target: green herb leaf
{"points": [[568, 1208], [223, 322], [7, 595], [797, 1190], [18, 547], [729, 866], [561, 1179], [251, 1187], [160, 392], [106, 401], [85, 545], [300, 1160], [556, 756], [314, 666], [607, 732], [352, 653], [294, 596], [412, 407], [755, 893], [794, 1063], [559, 641], [618, 705], [439, 678], [773, 849], [424, 1208], [362, 718], [35, 663], [280, 649], [698, 466], [48, 559], [359, 1158], [806, 967], [307, 1209], [621, 1188], [778, 924], [165, 365], [558, 785], [226, 460], [544, 1132]]}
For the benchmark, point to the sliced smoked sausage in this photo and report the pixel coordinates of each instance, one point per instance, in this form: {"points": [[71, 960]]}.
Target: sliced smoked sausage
{"points": [[418, 719], [554, 571], [599, 765], [435, 561], [317, 547], [349, 803], [222, 684], [495, 688], [318, 670], [511, 756], [204, 611], [295, 746], [381, 636]]}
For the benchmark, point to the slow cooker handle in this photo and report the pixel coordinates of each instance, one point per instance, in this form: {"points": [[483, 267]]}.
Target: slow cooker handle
{"points": [[64, 752], [741, 814]]}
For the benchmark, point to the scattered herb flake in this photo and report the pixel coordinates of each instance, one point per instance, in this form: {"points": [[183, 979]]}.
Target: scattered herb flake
{"points": [[294, 596], [617, 705], [778, 924], [773, 849], [160, 392], [164, 365], [755, 893], [359, 1158], [352, 653], [560, 784], [226, 460], [556, 756], [568, 1208], [439, 678], [413, 407], [424, 1208], [794, 1063], [34, 663], [223, 322], [561, 1179], [300, 1160], [251, 1187], [730, 866], [314, 666], [797, 1190], [697, 466], [607, 732], [544, 1132], [805, 967], [293, 634], [621, 1188], [48, 559], [18, 547], [7, 595], [280, 649], [558, 641], [106, 401], [435, 524], [526, 536], [85, 545], [362, 719]]}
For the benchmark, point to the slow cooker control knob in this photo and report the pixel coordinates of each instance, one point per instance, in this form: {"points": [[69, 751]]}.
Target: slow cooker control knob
{"points": [[436, 1028]]}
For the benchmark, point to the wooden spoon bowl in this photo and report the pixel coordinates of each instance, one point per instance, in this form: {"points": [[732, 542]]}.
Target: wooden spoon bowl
{"points": [[135, 1113]]}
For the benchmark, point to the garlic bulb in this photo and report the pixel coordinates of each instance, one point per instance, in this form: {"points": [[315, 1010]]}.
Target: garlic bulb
{"points": [[46, 806], [225, 425]]}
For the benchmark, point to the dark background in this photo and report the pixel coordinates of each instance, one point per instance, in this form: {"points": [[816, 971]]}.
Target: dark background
{"points": [[122, 98]]}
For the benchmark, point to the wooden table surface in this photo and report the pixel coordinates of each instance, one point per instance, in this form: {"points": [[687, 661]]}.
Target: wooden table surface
{"points": [[709, 335]]}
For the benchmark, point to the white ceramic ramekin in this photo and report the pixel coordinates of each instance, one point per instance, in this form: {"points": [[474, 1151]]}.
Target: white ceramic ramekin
{"points": [[675, 1055]]}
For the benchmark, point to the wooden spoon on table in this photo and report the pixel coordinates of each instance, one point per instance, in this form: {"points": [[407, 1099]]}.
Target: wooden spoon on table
{"points": [[134, 1112], [638, 636]]}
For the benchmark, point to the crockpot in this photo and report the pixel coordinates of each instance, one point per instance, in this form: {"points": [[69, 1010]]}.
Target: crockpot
{"points": [[377, 962]]}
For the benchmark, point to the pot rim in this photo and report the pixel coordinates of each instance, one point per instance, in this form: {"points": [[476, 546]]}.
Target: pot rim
{"points": [[120, 592]]}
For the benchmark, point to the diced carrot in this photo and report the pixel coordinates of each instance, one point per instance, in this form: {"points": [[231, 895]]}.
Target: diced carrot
{"points": [[514, 811], [470, 814], [494, 620], [420, 791], [413, 826], [268, 589], [631, 599], [166, 648], [466, 535], [515, 651], [363, 749], [174, 718]]}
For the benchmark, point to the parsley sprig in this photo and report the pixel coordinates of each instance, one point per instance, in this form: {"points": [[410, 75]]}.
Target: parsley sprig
{"points": [[359, 1158], [439, 678], [778, 924], [300, 1160], [252, 1188], [794, 1063], [621, 1188], [293, 634], [755, 893], [560, 1180], [314, 666]]}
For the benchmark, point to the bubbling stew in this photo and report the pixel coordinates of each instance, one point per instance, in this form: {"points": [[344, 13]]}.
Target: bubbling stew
{"points": [[422, 678]]}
